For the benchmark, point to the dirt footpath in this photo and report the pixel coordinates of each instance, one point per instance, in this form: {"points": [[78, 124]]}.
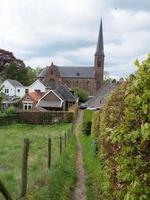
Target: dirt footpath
{"points": [[80, 188]]}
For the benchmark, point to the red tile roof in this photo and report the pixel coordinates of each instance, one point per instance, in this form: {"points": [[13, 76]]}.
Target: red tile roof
{"points": [[36, 95]]}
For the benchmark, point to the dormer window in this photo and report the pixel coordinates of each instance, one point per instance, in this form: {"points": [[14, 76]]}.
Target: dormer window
{"points": [[78, 74]]}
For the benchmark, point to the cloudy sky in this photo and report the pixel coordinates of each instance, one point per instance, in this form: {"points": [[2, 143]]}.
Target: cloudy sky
{"points": [[66, 32]]}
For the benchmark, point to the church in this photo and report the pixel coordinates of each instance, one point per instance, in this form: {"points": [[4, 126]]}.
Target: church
{"points": [[87, 78]]}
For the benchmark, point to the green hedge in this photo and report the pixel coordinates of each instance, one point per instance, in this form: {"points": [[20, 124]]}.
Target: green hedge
{"points": [[124, 139], [46, 117]]}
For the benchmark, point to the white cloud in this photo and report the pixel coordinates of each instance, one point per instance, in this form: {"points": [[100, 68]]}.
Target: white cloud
{"points": [[40, 31]]}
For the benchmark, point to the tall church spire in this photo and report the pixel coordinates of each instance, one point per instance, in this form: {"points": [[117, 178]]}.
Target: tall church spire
{"points": [[100, 45]]}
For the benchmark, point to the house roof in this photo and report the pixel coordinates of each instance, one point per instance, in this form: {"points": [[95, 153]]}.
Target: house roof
{"points": [[36, 95], [15, 83], [75, 72], [64, 93]]}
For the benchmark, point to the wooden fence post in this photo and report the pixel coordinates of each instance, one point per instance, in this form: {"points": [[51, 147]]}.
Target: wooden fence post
{"points": [[24, 167], [60, 145], [49, 152], [65, 140], [68, 135], [4, 191]]}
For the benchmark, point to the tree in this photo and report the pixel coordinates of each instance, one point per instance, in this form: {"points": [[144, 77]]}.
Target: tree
{"points": [[21, 73], [82, 94], [7, 57], [17, 72]]}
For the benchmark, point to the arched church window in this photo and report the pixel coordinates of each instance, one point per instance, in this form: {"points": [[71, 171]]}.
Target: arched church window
{"points": [[52, 72]]}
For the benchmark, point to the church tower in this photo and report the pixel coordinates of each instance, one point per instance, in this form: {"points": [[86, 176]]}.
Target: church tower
{"points": [[99, 59]]}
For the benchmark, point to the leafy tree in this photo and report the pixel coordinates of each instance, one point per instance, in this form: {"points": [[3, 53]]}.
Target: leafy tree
{"points": [[31, 75], [82, 94], [25, 75]]}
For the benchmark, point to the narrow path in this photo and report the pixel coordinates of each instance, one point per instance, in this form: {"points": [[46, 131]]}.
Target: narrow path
{"points": [[80, 188]]}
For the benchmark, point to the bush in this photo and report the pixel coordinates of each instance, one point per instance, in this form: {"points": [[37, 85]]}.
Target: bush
{"points": [[10, 110], [87, 122], [86, 128], [124, 139]]}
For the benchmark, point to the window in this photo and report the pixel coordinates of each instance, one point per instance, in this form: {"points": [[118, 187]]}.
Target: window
{"points": [[26, 90], [78, 74], [6, 91], [18, 90], [27, 106], [27, 98], [37, 90], [99, 62]]}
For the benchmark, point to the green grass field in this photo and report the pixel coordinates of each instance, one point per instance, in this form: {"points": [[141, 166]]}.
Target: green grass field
{"points": [[11, 143]]}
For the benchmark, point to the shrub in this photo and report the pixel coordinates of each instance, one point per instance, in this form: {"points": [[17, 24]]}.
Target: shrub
{"points": [[86, 128], [87, 122], [10, 110], [124, 139]]}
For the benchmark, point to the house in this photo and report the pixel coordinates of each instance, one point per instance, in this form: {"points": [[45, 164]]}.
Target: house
{"points": [[39, 86], [56, 100], [60, 99], [30, 100], [13, 88]]}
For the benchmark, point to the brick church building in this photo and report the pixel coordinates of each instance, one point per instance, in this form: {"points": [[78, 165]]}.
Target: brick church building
{"points": [[87, 78]]}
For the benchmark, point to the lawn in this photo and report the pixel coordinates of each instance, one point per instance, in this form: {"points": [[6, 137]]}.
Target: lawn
{"points": [[11, 143]]}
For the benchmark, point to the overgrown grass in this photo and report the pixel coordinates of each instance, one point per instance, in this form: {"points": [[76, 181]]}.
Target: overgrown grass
{"points": [[11, 140], [60, 180], [87, 115], [92, 169]]}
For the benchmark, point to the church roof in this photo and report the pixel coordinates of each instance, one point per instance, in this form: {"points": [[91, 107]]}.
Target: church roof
{"points": [[74, 72], [83, 72]]}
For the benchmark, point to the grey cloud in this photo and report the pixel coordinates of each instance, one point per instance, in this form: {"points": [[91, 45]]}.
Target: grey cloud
{"points": [[133, 5]]}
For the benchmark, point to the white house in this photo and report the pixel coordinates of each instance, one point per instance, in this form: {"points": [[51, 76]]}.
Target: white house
{"points": [[13, 88], [38, 86]]}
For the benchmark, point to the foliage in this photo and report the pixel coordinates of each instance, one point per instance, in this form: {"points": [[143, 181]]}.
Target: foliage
{"points": [[82, 94], [92, 169], [6, 58], [11, 140], [25, 75], [87, 115], [63, 176], [10, 110], [87, 122], [124, 139], [95, 124], [87, 128]]}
